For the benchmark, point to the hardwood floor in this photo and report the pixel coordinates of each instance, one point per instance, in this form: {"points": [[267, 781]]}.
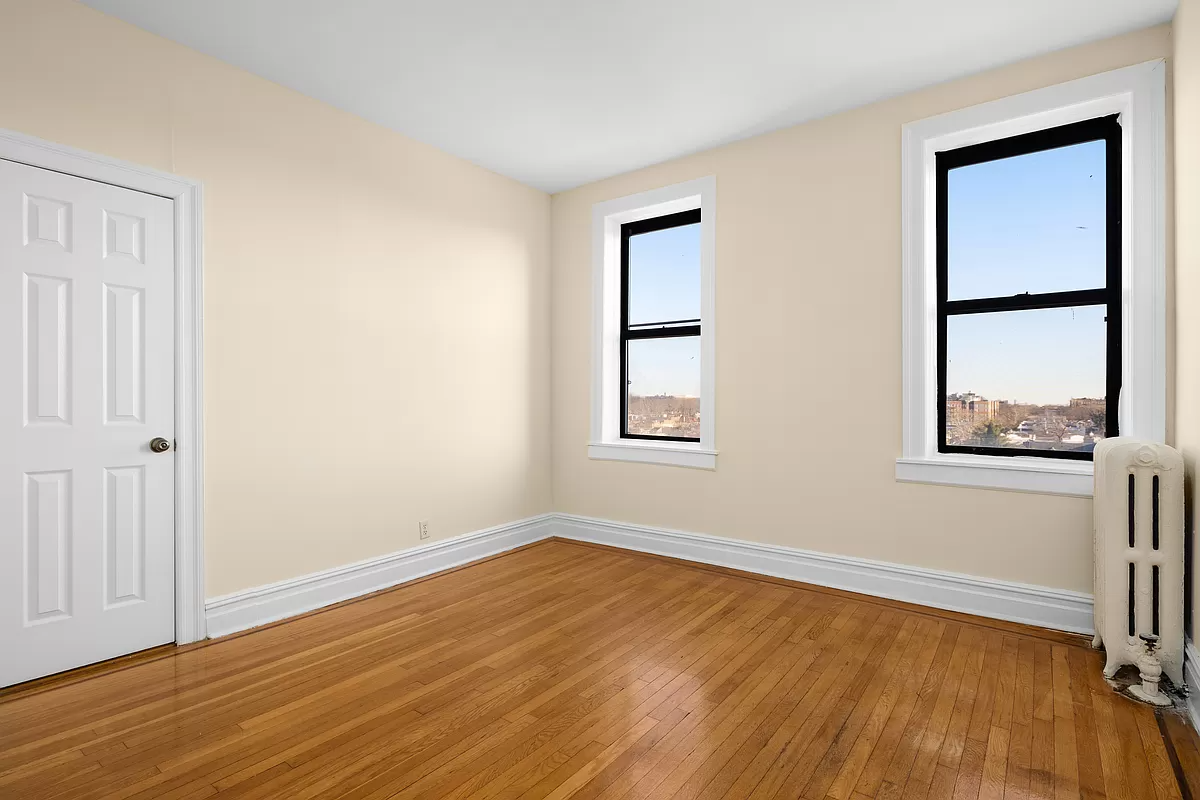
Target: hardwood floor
{"points": [[564, 670], [1182, 739]]}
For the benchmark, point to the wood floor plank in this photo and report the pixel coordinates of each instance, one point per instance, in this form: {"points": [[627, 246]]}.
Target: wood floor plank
{"points": [[1041, 762], [817, 756], [1181, 747], [564, 670], [819, 721], [1112, 764], [1017, 774], [1022, 708], [882, 731], [1158, 761], [980, 725], [871, 709], [1087, 740], [995, 765], [1066, 760], [970, 769], [1137, 766], [968, 693], [900, 765], [931, 744], [748, 768]]}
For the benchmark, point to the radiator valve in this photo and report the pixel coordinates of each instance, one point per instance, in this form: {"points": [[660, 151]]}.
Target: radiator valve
{"points": [[1150, 671]]}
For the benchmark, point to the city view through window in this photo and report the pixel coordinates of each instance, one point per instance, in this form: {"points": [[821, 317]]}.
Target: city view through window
{"points": [[974, 421], [1033, 379], [664, 374]]}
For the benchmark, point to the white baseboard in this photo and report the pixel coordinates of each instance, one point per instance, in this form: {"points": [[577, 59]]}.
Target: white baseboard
{"points": [[260, 605], [1191, 676], [1017, 602], [1034, 605]]}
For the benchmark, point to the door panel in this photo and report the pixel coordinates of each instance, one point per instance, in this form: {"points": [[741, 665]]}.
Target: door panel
{"points": [[87, 561]]}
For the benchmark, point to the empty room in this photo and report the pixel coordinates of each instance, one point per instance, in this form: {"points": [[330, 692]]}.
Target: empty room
{"points": [[630, 399]]}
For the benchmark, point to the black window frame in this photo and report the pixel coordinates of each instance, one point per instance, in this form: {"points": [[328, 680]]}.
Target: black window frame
{"points": [[663, 329], [1106, 129]]}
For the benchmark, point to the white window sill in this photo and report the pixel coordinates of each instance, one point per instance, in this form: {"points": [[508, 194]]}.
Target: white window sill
{"points": [[676, 454], [1014, 474]]}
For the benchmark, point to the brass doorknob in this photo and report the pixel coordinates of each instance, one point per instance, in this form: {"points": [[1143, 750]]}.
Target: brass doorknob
{"points": [[159, 445]]}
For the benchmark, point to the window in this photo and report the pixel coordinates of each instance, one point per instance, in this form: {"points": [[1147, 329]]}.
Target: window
{"points": [[661, 328], [1029, 292], [653, 353], [1034, 283]]}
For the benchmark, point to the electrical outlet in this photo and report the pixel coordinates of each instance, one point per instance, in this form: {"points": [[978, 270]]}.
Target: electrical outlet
{"points": [[423, 529]]}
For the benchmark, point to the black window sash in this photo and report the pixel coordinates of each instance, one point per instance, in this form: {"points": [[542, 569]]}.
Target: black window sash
{"points": [[666, 329], [1106, 129]]}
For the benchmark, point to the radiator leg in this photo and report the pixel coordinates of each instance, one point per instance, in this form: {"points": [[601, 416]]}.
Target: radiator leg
{"points": [[1111, 665]]}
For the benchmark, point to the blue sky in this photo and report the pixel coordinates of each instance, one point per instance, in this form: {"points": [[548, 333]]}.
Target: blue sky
{"points": [[1045, 356], [1033, 223], [664, 275], [664, 285]]}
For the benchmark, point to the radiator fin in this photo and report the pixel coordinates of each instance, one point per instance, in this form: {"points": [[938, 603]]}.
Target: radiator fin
{"points": [[1154, 599], [1154, 512], [1132, 512], [1132, 604]]}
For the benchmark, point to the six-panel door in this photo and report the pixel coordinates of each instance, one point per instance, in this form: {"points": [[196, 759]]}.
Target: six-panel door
{"points": [[86, 355]]}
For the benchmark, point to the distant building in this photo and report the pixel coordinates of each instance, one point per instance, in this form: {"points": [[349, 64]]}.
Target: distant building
{"points": [[976, 421], [967, 411]]}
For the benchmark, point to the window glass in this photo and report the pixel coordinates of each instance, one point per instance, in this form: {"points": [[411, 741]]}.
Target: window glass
{"points": [[1029, 223], [1027, 286], [664, 275], [1030, 379], [664, 387]]}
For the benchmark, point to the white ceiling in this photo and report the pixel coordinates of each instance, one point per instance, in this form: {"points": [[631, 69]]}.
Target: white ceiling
{"points": [[557, 93]]}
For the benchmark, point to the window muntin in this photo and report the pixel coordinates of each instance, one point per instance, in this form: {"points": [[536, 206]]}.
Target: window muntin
{"points": [[1029, 242], [660, 328]]}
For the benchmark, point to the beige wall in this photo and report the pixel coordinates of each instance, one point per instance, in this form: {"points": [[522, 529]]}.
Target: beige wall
{"points": [[376, 311], [378, 318], [808, 319], [1186, 40]]}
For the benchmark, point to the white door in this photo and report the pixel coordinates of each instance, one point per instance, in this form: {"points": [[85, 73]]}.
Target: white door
{"points": [[87, 549]]}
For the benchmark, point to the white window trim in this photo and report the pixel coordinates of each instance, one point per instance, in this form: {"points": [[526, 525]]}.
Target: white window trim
{"points": [[607, 218], [1138, 94]]}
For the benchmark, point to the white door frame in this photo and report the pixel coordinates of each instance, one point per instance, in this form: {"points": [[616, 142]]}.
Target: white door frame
{"points": [[188, 197]]}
